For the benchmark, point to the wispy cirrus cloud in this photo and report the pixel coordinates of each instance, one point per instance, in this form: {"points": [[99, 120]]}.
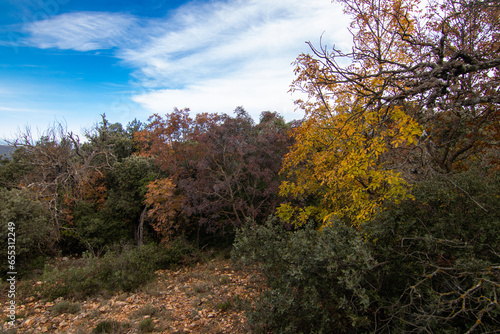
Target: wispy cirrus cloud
{"points": [[209, 56], [223, 54], [217, 38], [81, 31], [23, 110]]}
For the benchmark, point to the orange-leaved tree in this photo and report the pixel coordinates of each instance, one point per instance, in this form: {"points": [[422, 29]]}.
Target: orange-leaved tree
{"points": [[219, 171], [419, 96], [165, 207]]}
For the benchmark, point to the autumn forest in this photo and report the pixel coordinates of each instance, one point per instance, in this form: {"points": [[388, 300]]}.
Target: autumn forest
{"points": [[378, 212]]}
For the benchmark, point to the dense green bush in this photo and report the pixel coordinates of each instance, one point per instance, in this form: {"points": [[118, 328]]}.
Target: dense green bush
{"points": [[96, 229], [96, 224], [441, 256], [146, 325], [109, 327], [66, 307], [316, 278], [430, 264], [33, 233], [124, 269], [13, 171]]}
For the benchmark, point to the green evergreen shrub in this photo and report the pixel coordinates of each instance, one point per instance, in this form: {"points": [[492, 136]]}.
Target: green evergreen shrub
{"points": [[66, 307], [147, 310], [316, 278], [426, 265], [123, 269], [95, 229], [441, 271], [32, 234], [147, 325], [78, 281], [108, 327]]}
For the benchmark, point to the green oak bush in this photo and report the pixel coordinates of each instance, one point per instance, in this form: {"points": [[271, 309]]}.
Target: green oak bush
{"points": [[96, 229], [146, 325], [316, 279], [441, 271], [430, 264], [66, 307], [123, 269], [34, 233], [110, 327]]}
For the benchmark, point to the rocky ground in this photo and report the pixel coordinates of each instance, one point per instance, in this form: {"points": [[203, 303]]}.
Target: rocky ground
{"points": [[207, 298]]}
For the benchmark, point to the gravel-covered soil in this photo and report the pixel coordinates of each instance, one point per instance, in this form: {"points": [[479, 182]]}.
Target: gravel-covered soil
{"points": [[209, 297]]}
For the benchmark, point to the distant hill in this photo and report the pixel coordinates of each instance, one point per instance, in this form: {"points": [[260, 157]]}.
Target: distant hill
{"points": [[6, 151]]}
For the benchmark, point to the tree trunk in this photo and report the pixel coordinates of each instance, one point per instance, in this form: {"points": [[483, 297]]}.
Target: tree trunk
{"points": [[140, 229]]}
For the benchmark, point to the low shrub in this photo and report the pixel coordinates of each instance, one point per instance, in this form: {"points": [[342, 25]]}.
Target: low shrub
{"points": [[426, 265], [25, 223], [108, 327], [123, 269], [66, 307], [147, 325], [441, 271], [78, 281], [148, 310], [316, 278], [224, 306]]}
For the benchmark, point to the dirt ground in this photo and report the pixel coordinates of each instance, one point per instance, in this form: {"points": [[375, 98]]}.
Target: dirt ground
{"points": [[209, 297]]}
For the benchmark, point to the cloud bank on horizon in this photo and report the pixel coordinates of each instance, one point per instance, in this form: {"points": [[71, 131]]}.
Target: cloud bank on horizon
{"points": [[208, 56]]}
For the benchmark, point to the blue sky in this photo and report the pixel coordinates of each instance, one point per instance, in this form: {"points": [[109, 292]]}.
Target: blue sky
{"points": [[69, 61]]}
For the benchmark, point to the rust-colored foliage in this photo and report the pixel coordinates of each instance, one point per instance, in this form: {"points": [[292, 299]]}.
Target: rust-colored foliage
{"points": [[165, 207], [61, 171], [220, 170], [93, 188]]}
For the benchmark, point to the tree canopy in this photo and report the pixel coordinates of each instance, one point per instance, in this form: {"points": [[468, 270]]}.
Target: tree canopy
{"points": [[219, 171], [418, 97]]}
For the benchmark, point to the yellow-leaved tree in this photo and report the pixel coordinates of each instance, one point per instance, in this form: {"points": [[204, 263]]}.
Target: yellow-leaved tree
{"points": [[417, 97]]}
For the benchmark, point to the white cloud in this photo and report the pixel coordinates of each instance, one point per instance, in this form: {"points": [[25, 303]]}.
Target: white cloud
{"points": [[23, 110], [208, 56], [218, 37], [253, 91], [219, 55], [81, 31]]}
